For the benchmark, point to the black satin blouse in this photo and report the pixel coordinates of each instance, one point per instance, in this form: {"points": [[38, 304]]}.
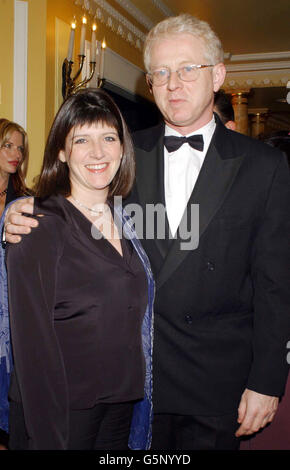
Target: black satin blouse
{"points": [[76, 308]]}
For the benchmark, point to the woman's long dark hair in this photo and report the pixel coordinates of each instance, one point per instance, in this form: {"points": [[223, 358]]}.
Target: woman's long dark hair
{"points": [[18, 178], [87, 106]]}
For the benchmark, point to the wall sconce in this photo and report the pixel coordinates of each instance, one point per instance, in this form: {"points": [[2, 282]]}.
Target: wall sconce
{"points": [[69, 82]]}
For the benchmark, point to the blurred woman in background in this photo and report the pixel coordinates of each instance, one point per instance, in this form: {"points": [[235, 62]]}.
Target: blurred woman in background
{"points": [[13, 161], [13, 167]]}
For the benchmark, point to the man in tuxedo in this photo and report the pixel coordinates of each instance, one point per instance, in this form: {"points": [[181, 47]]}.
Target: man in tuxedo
{"points": [[222, 306], [224, 109]]}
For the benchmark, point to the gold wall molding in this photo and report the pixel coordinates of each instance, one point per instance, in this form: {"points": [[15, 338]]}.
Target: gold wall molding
{"points": [[258, 121], [268, 69], [261, 79], [240, 105], [258, 111]]}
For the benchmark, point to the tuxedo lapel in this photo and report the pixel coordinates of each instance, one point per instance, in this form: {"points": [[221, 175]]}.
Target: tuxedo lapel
{"points": [[150, 184], [150, 172], [215, 179]]}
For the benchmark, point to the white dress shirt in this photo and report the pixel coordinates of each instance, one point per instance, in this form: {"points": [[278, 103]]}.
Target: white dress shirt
{"points": [[181, 170]]}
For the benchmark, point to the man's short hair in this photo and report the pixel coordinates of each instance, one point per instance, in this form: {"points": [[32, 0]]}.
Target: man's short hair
{"points": [[185, 23], [223, 106]]}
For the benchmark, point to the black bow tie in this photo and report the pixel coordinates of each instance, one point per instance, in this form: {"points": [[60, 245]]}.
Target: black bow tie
{"points": [[173, 142]]}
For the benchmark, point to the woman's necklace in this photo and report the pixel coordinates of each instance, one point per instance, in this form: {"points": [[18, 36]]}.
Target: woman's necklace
{"points": [[3, 192], [105, 224], [94, 211]]}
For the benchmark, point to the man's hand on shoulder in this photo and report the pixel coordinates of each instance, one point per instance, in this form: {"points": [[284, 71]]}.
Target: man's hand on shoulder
{"points": [[255, 411], [16, 223]]}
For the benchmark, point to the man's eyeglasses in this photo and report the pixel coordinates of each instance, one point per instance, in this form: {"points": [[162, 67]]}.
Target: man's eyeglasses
{"points": [[187, 73]]}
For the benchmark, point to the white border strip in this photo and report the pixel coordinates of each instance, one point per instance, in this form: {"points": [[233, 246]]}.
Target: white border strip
{"points": [[20, 62]]}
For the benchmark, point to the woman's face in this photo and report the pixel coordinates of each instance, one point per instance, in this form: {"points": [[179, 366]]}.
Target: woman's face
{"points": [[11, 153], [93, 154]]}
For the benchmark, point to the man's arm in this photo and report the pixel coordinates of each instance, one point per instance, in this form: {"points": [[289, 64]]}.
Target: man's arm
{"points": [[271, 333], [15, 223]]}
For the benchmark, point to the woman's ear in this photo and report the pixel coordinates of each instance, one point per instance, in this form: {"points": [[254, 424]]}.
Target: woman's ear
{"points": [[61, 156]]}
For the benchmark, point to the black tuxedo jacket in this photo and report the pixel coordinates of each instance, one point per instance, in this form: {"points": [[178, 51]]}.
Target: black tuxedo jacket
{"points": [[222, 310]]}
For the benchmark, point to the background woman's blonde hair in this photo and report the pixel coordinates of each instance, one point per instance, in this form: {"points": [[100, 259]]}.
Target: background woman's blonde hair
{"points": [[6, 129], [185, 23]]}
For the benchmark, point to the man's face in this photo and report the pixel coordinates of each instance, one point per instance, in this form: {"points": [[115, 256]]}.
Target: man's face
{"points": [[186, 106]]}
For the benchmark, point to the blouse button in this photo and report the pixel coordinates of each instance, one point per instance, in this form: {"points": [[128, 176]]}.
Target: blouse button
{"points": [[210, 266], [188, 319]]}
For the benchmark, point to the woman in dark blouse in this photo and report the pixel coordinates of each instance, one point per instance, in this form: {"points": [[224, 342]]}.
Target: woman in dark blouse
{"points": [[78, 291]]}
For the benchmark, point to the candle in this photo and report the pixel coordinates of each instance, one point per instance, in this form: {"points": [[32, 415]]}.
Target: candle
{"points": [[71, 42], [102, 58], [83, 36], [93, 43]]}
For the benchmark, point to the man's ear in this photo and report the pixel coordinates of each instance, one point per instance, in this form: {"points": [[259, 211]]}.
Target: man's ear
{"points": [[61, 156], [219, 75]]}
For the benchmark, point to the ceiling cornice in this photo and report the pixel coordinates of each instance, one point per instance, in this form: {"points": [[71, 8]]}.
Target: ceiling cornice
{"points": [[136, 13], [258, 56], [114, 20], [116, 15], [163, 8], [281, 65], [255, 79]]}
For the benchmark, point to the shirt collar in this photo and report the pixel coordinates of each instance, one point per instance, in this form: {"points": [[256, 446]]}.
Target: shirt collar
{"points": [[207, 129]]}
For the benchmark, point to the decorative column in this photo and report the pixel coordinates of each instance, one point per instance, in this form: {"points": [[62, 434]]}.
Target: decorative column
{"points": [[240, 105], [258, 120]]}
